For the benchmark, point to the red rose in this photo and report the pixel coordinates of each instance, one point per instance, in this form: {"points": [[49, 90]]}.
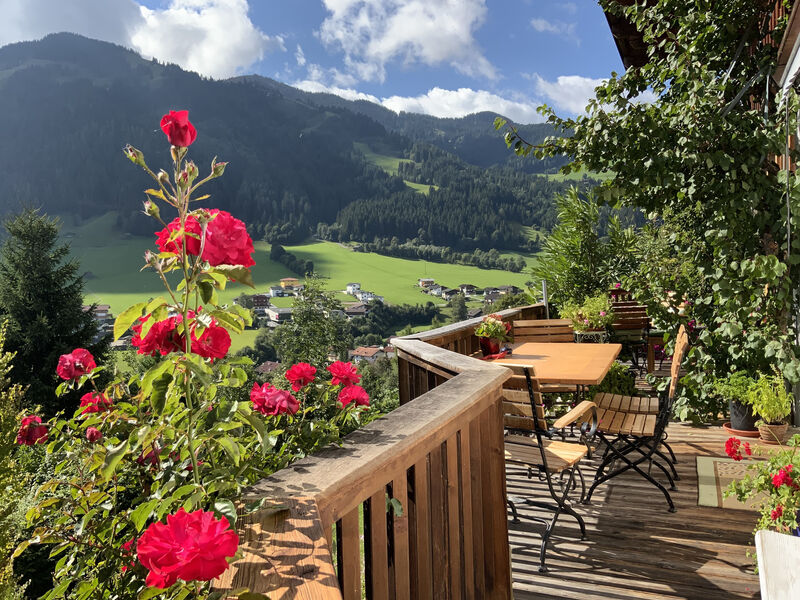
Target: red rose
{"points": [[93, 434], [95, 402], [31, 431], [167, 243], [269, 400], [213, 343], [178, 129], [76, 363], [190, 546], [227, 241], [162, 337], [354, 392], [300, 375], [127, 553], [344, 372]]}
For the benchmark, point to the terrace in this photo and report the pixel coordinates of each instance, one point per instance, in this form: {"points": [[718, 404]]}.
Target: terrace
{"points": [[441, 456]]}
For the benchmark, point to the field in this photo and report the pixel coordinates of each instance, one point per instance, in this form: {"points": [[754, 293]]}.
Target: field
{"points": [[577, 176], [112, 265], [390, 165]]}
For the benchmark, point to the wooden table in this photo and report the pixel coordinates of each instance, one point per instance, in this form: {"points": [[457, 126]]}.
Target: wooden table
{"points": [[569, 364]]}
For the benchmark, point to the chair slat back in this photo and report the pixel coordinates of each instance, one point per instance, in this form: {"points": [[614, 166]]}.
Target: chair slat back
{"points": [[630, 316], [519, 405], [681, 347], [543, 330]]}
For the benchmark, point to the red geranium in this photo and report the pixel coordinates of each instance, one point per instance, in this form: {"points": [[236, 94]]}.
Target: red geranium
{"points": [[344, 372], [189, 546], [227, 241], [95, 402], [178, 129], [776, 513], [301, 375], [93, 434], [31, 431], [734, 447], [78, 362], [354, 392], [784, 477], [269, 400]]}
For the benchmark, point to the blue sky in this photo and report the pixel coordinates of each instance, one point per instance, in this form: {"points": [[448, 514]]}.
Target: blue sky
{"points": [[442, 57]]}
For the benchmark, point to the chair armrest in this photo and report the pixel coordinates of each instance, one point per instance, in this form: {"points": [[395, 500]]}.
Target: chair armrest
{"points": [[584, 408]]}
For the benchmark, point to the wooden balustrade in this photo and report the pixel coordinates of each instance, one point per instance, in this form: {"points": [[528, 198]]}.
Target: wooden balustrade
{"points": [[330, 527]]}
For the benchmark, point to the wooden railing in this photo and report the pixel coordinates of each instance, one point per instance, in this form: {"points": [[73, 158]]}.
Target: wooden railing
{"points": [[411, 506]]}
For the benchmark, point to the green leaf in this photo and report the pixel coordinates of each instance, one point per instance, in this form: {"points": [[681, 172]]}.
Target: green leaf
{"points": [[207, 292], [114, 455], [231, 448], [141, 513], [126, 318], [150, 592], [236, 273], [226, 508], [158, 399]]}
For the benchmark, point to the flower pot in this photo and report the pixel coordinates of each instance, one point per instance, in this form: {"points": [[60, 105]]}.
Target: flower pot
{"points": [[489, 345], [742, 417], [773, 434]]}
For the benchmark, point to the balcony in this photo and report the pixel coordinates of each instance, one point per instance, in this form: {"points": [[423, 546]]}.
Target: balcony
{"points": [[414, 506]]}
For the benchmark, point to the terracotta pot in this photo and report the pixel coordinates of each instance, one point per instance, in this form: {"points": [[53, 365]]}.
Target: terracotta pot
{"points": [[773, 434], [489, 346]]}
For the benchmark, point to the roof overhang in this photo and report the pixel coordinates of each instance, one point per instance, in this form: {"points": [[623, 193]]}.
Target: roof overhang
{"points": [[788, 64]]}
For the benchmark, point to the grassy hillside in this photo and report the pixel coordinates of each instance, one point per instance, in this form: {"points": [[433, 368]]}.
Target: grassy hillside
{"points": [[578, 176], [390, 165], [113, 262]]}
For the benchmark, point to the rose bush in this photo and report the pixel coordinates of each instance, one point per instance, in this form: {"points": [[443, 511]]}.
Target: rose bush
{"points": [[150, 465]]}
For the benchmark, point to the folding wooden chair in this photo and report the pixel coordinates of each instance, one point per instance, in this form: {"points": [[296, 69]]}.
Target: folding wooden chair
{"points": [[528, 443], [631, 328], [634, 438], [546, 331]]}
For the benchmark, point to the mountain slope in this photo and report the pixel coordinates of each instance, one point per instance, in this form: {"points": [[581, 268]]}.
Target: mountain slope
{"points": [[68, 105]]}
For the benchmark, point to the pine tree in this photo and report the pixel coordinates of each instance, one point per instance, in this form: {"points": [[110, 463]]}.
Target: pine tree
{"points": [[41, 296]]}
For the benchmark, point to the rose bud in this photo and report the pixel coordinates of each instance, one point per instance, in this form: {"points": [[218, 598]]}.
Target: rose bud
{"points": [[134, 155], [218, 168], [151, 209], [192, 171], [163, 177], [178, 152], [93, 434]]}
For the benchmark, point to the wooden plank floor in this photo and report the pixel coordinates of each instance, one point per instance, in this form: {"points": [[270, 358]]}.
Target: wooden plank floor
{"points": [[635, 547]]}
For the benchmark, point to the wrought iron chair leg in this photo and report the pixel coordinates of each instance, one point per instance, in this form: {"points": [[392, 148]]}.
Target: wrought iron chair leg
{"points": [[666, 445], [515, 516]]}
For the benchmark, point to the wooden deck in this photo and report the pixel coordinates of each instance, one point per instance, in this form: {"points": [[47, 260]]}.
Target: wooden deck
{"points": [[635, 547]]}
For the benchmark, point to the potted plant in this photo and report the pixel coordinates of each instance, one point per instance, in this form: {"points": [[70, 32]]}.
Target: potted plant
{"points": [[492, 332], [772, 403], [773, 482], [735, 389], [594, 314]]}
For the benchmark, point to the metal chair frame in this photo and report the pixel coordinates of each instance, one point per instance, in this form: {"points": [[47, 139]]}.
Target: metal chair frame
{"points": [[560, 497]]}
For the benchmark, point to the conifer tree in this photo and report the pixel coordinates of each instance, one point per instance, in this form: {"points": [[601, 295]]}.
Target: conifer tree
{"points": [[41, 296]]}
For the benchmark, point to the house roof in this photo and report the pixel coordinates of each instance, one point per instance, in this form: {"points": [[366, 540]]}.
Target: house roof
{"points": [[630, 42], [366, 351], [788, 50], [290, 279], [267, 367]]}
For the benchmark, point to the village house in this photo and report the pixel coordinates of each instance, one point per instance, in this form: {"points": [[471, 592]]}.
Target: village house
{"points": [[352, 288], [509, 290], [289, 283], [449, 293], [103, 318], [268, 366], [355, 309], [260, 300], [467, 289], [474, 313], [435, 290], [365, 296], [491, 297], [425, 282], [490, 290], [366, 353], [279, 315], [276, 291]]}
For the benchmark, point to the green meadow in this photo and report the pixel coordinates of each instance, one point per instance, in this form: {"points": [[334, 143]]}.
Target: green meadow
{"points": [[390, 164], [112, 264]]}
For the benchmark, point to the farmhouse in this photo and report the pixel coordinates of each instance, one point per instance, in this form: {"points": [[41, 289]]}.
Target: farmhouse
{"points": [[435, 290], [366, 353], [426, 282], [449, 293], [355, 309], [467, 289], [279, 315], [289, 283], [352, 288], [509, 290], [276, 291], [260, 300]]}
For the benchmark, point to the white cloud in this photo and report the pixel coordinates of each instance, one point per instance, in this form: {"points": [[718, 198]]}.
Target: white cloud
{"points": [[566, 30], [439, 102], [213, 37], [568, 92], [299, 56], [373, 33], [570, 7]]}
